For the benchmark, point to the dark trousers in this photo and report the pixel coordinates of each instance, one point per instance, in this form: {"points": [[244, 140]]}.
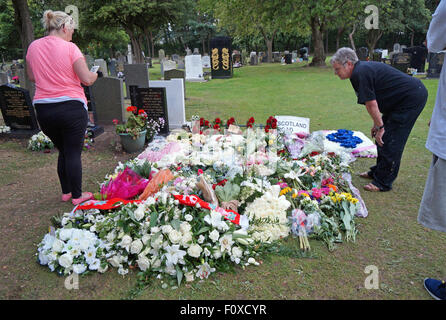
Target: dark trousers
{"points": [[65, 124], [397, 125]]}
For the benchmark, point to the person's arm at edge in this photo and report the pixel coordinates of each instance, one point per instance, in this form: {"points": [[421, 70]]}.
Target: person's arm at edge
{"points": [[436, 41], [30, 73], [86, 76]]}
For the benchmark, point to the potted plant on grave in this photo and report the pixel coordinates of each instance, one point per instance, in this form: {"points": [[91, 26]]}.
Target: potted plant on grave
{"points": [[133, 132]]}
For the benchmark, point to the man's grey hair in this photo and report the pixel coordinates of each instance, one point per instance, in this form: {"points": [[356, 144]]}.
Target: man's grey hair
{"points": [[343, 55]]}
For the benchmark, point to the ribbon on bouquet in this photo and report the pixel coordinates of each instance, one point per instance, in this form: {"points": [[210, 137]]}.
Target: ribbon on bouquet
{"points": [[103, 204], [234, 217]]}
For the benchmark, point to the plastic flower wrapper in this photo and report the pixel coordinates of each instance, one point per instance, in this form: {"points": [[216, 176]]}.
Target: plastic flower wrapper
{"points": [[314, 143], [126, 185], [298, 227]]}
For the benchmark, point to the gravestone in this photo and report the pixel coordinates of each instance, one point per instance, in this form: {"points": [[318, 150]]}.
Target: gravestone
{"points": [[385, 54], [294, 55], [109, 100], [436, 61], [161, 55], [236, 60], [129, 54], [196, 51], [194, 68], [112, 67], [253, 60], [277, 57], [418, 60], [153, 101], [188, 51], [136, 75], [181, 65], [89, 60], [304, 53], [402, 47], [397, 48], [175, 101], [3, 78], [206, 61], [102, 66], [176, 74], [288, 58], [221, 51], [148, 60], [176, 58], [133, 95], [167, 65], [363, 53], [18, 111], [92, 127], [401, 61]]}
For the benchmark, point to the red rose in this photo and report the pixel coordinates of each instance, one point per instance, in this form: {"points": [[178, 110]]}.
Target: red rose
{"points": [[314, 153], [217, 120], [274, 125], [216, 127], [206, 123], [251, 120], [267, 128]]}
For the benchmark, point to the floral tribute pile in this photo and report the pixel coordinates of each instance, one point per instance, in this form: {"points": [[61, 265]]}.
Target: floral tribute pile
{"points": [[198, 202]]}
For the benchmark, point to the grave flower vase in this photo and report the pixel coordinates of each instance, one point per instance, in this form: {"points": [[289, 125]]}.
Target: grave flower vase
{"points": [[131, 145]]}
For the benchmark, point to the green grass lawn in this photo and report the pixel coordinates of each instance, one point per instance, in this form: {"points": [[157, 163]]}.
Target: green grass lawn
{"points": [[390, 237]]}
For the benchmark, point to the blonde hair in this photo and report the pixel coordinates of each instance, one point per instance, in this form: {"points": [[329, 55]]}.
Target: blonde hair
{"points": [[56, 20]]}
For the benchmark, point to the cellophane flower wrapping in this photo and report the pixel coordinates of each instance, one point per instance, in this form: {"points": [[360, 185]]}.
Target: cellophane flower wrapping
{"points": [[126, 185]]}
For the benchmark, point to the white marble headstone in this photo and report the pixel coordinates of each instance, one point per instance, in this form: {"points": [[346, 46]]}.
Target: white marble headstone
{"points": [[194, 68], [102, 66], [206, 61], [175, 100]]}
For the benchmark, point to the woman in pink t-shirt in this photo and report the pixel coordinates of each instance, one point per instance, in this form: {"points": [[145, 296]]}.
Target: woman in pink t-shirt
{"points": [[58, 68]]}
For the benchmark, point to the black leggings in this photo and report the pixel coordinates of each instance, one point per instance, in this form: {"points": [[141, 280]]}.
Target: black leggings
{"points": [[65, 124]]}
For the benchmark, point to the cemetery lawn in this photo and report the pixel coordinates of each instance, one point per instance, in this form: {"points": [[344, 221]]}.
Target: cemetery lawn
{"points": [[390, 237]]}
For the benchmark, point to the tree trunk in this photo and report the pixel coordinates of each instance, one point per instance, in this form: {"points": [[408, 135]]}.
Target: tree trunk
{"points": [[352, 41], [317, 32], [326, 41], [136, 47], [202, 46], [153, 44], [26, 31], [269, 45], [372, 38], [338, 36]]}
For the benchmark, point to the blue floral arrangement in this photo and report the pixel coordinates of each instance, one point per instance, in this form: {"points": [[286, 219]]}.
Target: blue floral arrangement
{"points": [[345, 138]]}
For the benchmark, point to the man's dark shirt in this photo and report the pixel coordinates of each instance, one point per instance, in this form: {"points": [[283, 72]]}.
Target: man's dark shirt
{"points": [[391, 88]]}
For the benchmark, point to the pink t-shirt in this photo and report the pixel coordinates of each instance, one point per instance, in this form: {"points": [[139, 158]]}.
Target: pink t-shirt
{"points": [[51, 60]]}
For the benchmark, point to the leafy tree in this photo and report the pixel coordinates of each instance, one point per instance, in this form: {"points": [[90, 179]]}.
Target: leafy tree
{"points": [[250, 18]]}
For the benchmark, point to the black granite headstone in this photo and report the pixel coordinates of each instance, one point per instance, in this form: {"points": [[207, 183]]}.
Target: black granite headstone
{"points": [[154, 102], [418, 60], [401, 61], [18, 111], [133, 95], [363, 53], [92, 126], [435, 65], [221, 58]]}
